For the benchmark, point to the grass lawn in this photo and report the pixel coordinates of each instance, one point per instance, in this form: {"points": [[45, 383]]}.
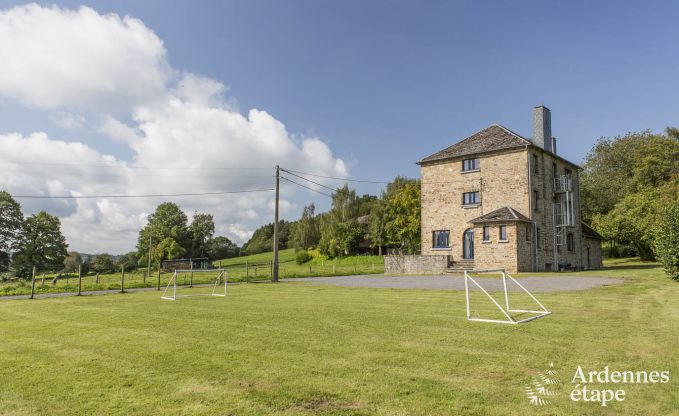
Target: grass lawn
{"points": [[295, 349]]}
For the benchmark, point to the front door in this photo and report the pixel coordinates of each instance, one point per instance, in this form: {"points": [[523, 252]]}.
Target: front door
{"points": [[468, 244]]}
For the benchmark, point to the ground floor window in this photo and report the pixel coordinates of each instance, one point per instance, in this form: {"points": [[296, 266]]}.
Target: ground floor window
{"points": [[441, 239], [529, 232], [503, 233], [486, 233], [569, 242]]}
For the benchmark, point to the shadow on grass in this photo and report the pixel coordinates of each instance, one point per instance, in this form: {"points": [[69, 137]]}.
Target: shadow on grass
{"points": [[632, 267]]}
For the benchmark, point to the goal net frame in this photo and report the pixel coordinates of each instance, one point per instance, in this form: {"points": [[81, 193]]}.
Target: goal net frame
{"points": [[506, 309], [216, 286]]}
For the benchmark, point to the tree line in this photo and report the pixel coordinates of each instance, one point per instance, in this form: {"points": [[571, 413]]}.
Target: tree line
{"points": [[353, 225], [630, 194]]}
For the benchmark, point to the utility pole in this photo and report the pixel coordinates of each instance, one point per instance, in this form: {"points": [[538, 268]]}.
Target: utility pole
{"points": [[148, 266], [275, 227]]}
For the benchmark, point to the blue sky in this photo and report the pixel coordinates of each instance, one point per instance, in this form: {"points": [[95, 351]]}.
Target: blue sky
{"points": [[385, 83]]}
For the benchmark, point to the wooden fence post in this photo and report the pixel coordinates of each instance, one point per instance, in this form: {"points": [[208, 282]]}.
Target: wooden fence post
{"points": [[80, 279], [33, 284], [122, 279], [158, 278], [191, 278], [97, 281]]}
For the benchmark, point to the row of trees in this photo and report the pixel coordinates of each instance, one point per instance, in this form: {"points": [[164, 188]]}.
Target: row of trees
{"points": [[35, 241], [630, 191], [628, 182], [354, 223]]}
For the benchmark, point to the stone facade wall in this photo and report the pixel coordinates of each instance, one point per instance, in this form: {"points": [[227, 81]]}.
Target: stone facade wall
{"points": [[501, 180], [415, 264], [495, 254], [592, 247], [543, 215]]}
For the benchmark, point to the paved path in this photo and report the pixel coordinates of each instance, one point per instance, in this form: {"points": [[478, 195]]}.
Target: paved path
{"points": [[563, 283]]}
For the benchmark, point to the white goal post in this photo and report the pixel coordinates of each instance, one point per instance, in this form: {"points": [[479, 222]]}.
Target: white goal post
{"points": [[506, 309], [216, 285]]}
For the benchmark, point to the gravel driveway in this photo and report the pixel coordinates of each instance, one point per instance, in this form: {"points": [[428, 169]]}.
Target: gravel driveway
{"points": [[564, 283]]}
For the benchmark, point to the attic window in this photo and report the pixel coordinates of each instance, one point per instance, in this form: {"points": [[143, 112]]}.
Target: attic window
{"points": [[470, 164]]}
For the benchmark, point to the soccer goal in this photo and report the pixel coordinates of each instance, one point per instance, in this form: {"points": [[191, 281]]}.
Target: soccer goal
{"points": [[506, 309], [174, 290]]}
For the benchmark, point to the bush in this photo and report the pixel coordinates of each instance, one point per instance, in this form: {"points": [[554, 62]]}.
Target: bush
{"points": [[303, 257], [667, 241]]}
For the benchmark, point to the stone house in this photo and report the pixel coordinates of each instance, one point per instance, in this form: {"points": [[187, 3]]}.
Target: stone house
{"points": [[499, 200]]}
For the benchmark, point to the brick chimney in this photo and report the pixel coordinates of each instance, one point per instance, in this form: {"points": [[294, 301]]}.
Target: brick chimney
{"points": [[542, 128]]}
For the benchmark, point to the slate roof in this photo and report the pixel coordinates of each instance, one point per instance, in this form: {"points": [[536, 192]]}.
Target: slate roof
{"points": [[503, 214], [589, 232], [492, 138]]}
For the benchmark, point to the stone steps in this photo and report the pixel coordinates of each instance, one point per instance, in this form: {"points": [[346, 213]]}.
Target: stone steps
{"points": [[460, 266]]}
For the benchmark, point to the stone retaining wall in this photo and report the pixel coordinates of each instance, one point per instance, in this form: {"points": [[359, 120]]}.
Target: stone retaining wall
{"points": [[415, 264]]}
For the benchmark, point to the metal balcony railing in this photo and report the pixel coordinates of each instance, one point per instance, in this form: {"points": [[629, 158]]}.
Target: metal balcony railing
{"points": [[563, 183]]}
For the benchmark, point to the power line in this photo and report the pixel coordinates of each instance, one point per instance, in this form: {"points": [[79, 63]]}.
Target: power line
{"points": [[309, 180], [336, 178], [137, 196], [304, 186]]}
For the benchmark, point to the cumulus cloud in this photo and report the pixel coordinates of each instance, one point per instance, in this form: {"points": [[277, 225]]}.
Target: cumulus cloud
{"points": [[60, 58], [183, 133]]}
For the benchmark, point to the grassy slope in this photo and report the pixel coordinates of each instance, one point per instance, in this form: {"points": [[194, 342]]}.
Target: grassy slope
{"points": [[294, 349]]}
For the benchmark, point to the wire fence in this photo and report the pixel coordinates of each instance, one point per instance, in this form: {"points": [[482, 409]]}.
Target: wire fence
{"points": [[245, 273]]}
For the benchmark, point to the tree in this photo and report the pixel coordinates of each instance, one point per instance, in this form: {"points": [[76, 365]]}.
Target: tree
{"points": [[201, 230], [377, 229], [262, 239], [340, 233], [72, 261], [11, 220], [403, 214], [128, 261], [306, 233], [168, 221], [667, 241], [623, 165], [168, 249], [42, 245], [102, 263], [221, 248]]}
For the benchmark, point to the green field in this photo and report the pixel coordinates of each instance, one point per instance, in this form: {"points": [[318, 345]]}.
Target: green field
{"points": [[295, 349], [240, 269]]}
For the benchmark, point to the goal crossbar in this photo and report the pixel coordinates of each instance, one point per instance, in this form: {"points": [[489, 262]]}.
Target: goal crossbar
{"points": [[216, 285], [506, 310]]}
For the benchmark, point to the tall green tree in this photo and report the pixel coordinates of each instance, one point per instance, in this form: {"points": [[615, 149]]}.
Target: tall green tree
{"points": [[306, 232], [340, 231], [168, 249], [403, 214], [72, 261], [102, 263], [221, 248], [617, 167], [667, 240], [201, 230], [11, 220], [168, 221], [42, 245], [378, 226], [128, 261]]}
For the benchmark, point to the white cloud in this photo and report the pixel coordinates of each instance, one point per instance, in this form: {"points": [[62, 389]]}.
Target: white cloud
{"points": [[67, 120], [183, 133], [59, 58]]}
